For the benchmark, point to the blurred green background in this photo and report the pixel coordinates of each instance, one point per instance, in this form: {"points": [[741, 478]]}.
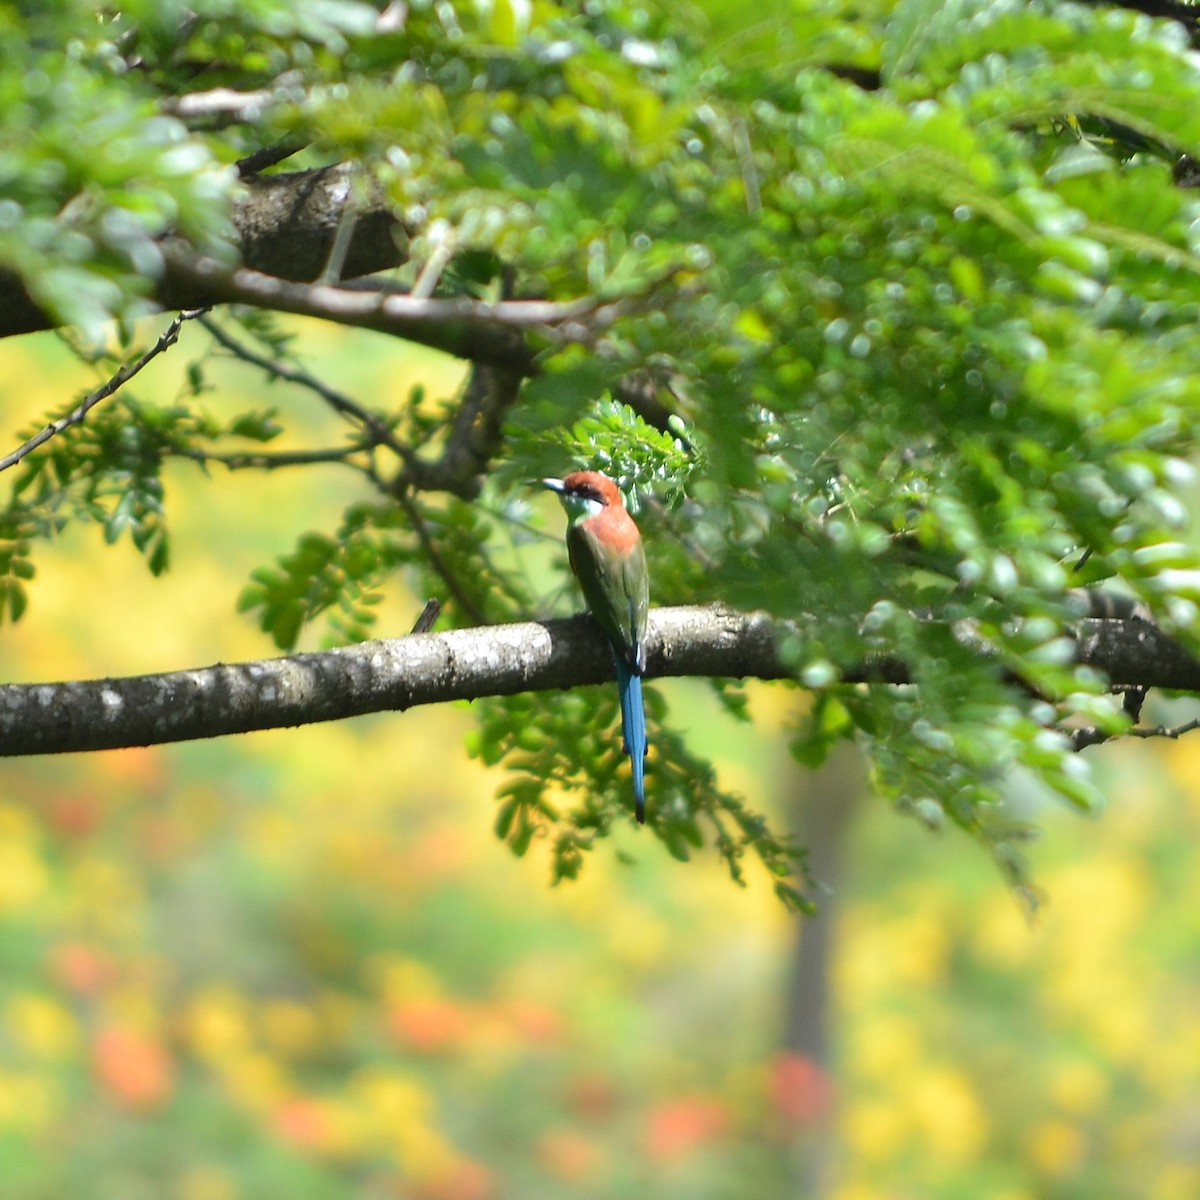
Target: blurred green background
{"points": [[300, 964]]}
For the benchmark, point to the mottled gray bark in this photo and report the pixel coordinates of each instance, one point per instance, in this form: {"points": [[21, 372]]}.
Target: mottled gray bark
{"points": [[50, 718], [287, 225]]}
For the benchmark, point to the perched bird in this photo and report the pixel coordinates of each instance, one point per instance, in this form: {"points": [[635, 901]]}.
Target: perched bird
{"points": [[606, 554]]}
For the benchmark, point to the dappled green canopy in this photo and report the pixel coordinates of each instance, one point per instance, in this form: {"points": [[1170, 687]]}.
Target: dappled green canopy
{"points": [[884, 315]]}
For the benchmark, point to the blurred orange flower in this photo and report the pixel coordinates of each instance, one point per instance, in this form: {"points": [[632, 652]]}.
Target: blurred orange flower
{"points": [[304, 1122], [537, 1022], [143, 766], [593, 1097], [133, 1067], [75, 814], [800, 1090], [568, 1155], [428, 1024], [81, 968], [679, 1127], [466, 1180]]}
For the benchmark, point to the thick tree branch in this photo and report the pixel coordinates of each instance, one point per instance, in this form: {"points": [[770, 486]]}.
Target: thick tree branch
{"points": [[468, 329], [474, 439], [286, 226], [51, 718]]}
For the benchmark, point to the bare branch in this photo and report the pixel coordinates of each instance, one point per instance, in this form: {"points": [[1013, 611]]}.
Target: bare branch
{"points": [[458, 665], [429, 615], [473, 441], [169, 337], [491, 333], [1092, 736], [343, 405], [286, 225], [268, 460], [370, 677], [268, 156], [224, 104]]}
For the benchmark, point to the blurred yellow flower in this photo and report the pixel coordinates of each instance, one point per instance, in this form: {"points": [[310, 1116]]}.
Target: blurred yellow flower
{"points": [[106, 897], [876, 1130], [16, 824], [858, 1191], [273, 835], [216, 1023], [888, 1046], [1170, 1066], [1096, 905], [23, 876], [290, 1028], [1137, 1136], [922, 947], [882, 949], [945, 1109], [1182, 758], [1122, 1024], [42, 1027], [1056, 1147], [398, 1115], [389, 1099], [207, 1183], [398, 978], [637, 937], [423, 1152], [136, 1006], [29, 1101], [1078, 1087], [1003, 935], [255, 1080], [1176, 1181]]}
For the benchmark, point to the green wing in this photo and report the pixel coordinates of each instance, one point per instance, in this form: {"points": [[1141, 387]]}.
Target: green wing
{"points": [[617, 590]]}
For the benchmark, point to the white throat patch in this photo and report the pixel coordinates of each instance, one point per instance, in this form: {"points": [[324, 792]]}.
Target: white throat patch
{"points": [[582, 507]]}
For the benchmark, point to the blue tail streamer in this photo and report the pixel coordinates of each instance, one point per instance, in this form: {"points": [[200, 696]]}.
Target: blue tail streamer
{"points": [[633, 727]]}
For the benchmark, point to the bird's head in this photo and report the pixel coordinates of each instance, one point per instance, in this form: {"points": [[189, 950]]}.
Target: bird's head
{"points": [[586, 493]]}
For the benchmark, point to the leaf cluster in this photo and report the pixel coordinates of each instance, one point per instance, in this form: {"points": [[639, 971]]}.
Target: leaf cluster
{"points": [[915, 285]]}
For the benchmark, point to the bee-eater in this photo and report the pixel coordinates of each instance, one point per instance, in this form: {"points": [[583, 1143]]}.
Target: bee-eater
{"points": [[605, 549]]}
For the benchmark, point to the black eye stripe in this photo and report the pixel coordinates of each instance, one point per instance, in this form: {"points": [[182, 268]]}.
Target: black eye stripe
{"points": [[585, 491]]}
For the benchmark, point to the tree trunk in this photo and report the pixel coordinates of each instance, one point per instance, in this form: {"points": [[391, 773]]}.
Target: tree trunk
{"points": [[827, 800]]}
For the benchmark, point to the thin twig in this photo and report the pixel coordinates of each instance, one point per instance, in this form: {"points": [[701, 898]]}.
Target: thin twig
{"points": [[745, 155], [169, 337], [437, 562], [431, 272], [342, 404], [1093, 736], [269, 156], [347, 219], [266, 460], [429, 614]]}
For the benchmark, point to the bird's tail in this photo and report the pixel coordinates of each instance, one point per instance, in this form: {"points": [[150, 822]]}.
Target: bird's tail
{"points": [[633, 729]]}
